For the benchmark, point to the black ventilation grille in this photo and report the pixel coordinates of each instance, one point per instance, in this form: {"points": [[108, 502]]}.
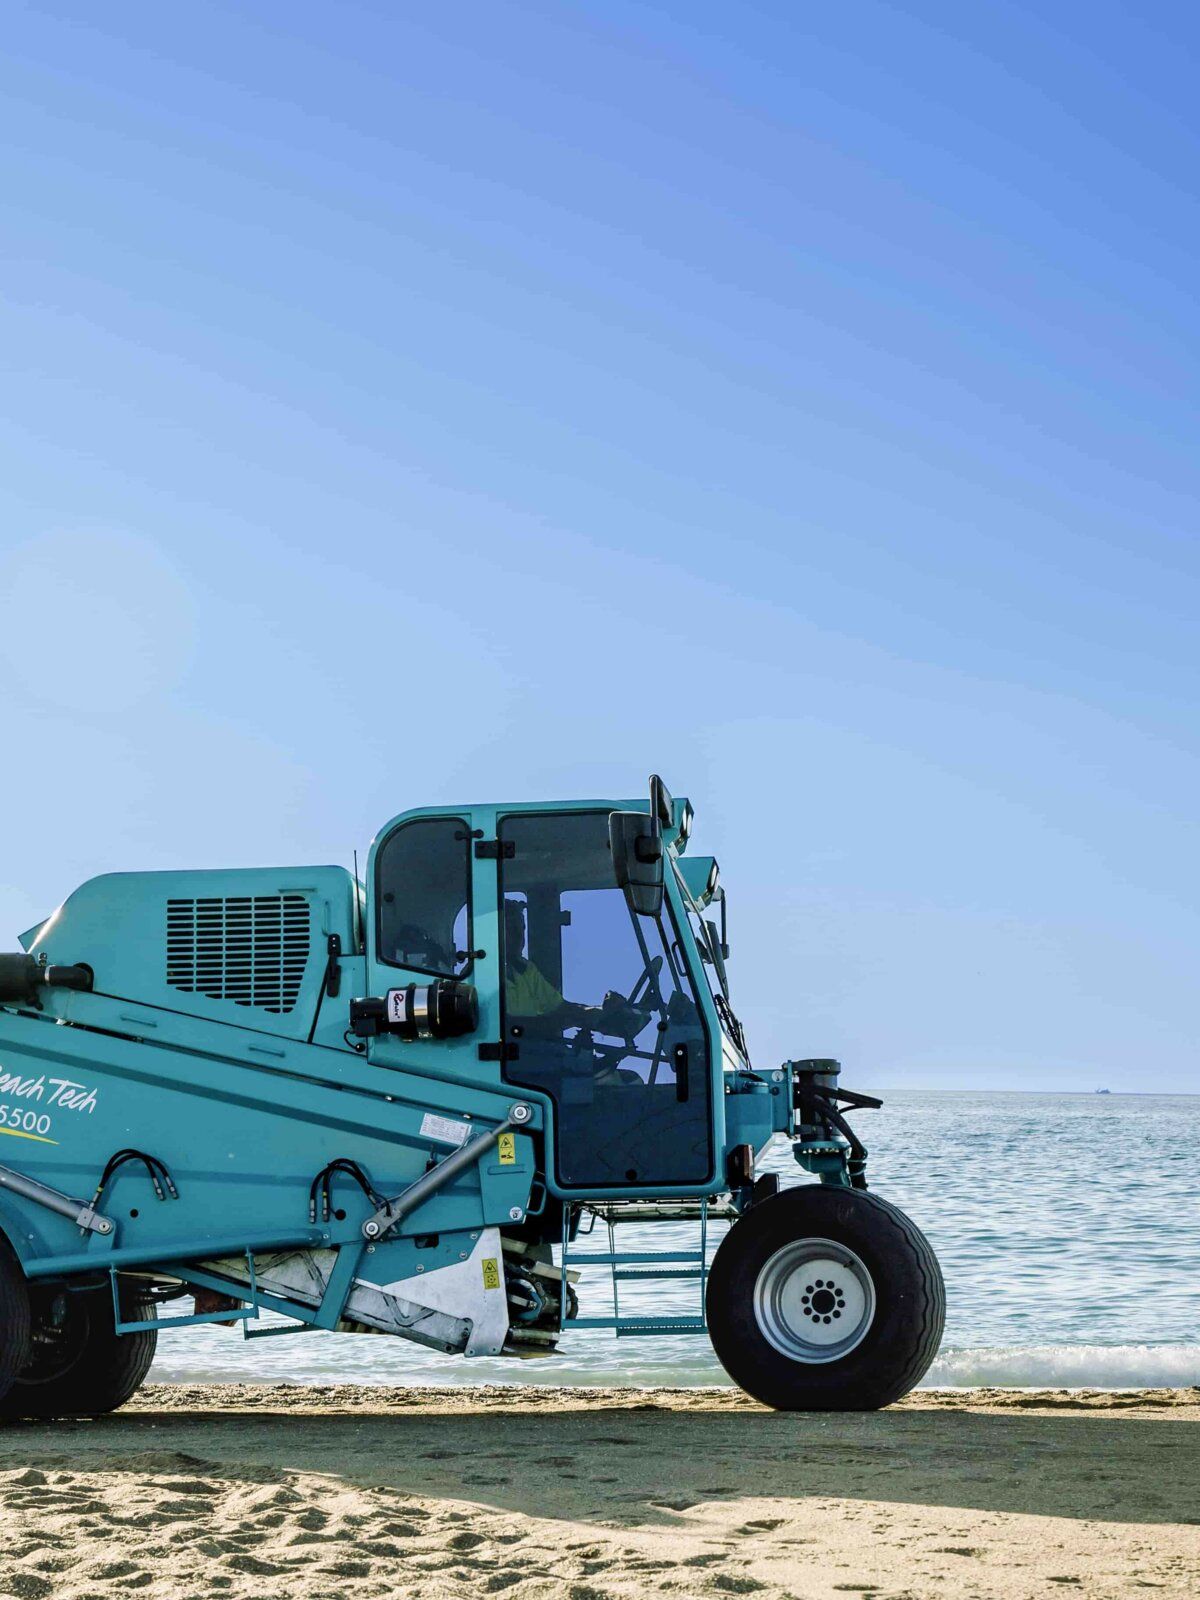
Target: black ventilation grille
{"points": [[251, 949]]}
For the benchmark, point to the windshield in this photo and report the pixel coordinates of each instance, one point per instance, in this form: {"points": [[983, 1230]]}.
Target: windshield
{"points": [[710, 945]]}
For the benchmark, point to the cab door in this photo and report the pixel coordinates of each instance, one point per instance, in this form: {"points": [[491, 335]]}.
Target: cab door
{"points": [[598, 1012]]}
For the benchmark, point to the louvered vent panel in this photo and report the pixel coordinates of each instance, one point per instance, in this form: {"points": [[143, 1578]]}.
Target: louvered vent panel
{"points": [[251, 949]]}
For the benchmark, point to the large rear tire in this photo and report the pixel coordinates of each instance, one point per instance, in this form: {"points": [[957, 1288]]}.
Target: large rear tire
{"points": [[77, 1363], [823, 1298], [14, 1318]]}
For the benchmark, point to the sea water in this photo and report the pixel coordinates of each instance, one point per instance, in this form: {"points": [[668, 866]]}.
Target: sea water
{"points": [[1067, 1225]]}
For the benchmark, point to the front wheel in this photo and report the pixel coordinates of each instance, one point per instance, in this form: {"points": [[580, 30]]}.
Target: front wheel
{"points": [[825, 1299]]}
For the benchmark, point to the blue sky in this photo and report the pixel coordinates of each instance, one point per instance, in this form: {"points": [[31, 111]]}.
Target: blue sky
{"points": [[409, 404]]}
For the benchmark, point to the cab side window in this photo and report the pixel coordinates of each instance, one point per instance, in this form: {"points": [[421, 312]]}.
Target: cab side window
{"points": [[423, 897]]}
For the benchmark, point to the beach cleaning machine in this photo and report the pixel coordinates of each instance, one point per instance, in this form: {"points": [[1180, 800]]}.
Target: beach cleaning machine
{"points": [[426, 1104]]}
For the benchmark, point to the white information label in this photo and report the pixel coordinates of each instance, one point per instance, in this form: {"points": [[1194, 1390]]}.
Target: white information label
{"points": [[444, 1129], [396, 1004]]}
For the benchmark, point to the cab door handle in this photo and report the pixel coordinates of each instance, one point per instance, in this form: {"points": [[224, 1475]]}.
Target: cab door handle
{"points": [[680, 1057]]}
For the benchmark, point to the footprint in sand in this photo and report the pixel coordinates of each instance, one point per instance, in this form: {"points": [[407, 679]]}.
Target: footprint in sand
{"points": [[254, 1565], [53, 1563], [282, 1496], [176, 1508], [465, 1541], [28, 1587], [189, 1485]]}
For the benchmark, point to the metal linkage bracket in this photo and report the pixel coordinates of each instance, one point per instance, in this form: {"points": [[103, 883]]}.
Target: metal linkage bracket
{"points": [[329, 1308], [393, 1211], [324, 1315], [238, 1314], [82, 1214]]}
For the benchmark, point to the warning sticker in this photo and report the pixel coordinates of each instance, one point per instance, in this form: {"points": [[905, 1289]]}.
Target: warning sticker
{"points": [[444, 1129], [491, 1273], [506, 1146]]}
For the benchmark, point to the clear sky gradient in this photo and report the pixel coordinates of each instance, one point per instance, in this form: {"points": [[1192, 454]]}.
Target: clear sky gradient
{"points": [[407, 404]]}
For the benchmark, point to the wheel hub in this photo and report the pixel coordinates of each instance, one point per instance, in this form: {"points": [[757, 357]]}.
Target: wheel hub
{"points": [[814, 1300], [57, 1340]]}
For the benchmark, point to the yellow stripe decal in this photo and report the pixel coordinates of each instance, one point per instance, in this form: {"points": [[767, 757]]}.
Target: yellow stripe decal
{"points": [[15, 1133]]}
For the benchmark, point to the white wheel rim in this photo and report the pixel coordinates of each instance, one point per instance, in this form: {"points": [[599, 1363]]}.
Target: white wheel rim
{"points": [[814, 1300]]}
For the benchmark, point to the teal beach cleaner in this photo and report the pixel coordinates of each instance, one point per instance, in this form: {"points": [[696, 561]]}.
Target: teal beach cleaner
{"points": [[403, 1105]]}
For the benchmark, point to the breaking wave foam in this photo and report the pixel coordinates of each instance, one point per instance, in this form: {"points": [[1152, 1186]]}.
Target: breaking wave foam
{"points": [[1068, 1366]]}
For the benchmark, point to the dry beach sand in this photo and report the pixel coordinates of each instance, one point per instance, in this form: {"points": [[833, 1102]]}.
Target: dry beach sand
{"points": [[534, 1494]]}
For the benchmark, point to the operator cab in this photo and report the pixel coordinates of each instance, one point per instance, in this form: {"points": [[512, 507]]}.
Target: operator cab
{"points": [[579, 934]]}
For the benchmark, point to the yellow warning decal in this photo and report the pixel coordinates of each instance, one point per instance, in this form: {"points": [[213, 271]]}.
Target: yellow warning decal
{"points": [[38, 1138], [507, 1147], [491, 1273]]}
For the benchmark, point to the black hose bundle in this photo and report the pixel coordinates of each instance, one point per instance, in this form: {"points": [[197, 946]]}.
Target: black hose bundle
{"points": [[323, 1180]]}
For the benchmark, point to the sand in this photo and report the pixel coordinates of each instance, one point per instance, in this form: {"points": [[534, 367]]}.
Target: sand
{"points": [[321, 1494]]}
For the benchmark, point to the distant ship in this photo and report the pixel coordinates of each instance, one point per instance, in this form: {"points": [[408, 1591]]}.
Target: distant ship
{"points": [[1103, 1091]]}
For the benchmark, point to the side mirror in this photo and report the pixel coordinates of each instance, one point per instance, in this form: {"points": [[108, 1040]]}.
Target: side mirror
{"points": [[637, 851]]}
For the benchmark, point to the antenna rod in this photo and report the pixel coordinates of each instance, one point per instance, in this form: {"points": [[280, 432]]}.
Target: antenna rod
{"points": [[358, 910]]}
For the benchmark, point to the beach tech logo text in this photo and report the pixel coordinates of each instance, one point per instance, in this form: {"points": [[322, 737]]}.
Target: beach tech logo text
{"points": [[65, 1093], [28, 1119]]}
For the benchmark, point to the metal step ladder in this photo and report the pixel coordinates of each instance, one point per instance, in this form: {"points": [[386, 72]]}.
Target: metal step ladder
{"points": [[638, 1266]]}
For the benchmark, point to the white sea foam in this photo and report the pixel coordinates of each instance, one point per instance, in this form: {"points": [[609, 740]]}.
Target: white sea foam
{"points": [[208, 1356], [1068, 1366]]}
